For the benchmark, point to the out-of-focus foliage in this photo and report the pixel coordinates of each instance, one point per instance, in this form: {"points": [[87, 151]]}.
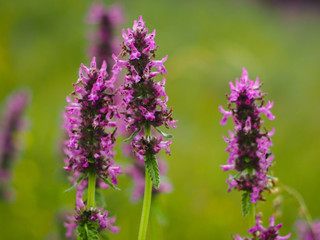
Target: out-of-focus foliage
{"points": [[42, 44]]}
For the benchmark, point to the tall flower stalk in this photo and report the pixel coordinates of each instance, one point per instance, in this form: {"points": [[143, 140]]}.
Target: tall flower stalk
{"points": [[144, 107], [249, 153], [12, 121], [89, 121]]}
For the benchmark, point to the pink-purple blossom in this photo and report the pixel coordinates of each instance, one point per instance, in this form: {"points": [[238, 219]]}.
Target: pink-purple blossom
{"points": [[261, 233], [144, 99], [248, 145], [90, 123]]}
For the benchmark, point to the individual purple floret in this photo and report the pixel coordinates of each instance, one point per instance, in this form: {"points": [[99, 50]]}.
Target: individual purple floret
{"points": [[308, 232], [261, 233], [248, 145], [12, 121], [144, 99], [89, 114], [103, 42]]}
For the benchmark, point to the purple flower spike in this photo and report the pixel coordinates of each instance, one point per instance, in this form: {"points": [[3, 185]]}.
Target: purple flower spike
{"points": [[144, 99], [90, 123], [103, 42], [12, 121], [308, 231], [248, 145], [89, 114], [261, 233]]}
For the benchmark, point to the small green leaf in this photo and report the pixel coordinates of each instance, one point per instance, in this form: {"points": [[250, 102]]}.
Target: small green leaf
{"points": [[77, 183], [246, 203], [164, 134], [271, 177], [132, 135], [107, 181], [153, 169]]}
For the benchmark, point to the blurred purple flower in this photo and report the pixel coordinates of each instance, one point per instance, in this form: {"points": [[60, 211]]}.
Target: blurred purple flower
{"points": [[12, 122], [102, 40], [248, 145], [306, 231]]}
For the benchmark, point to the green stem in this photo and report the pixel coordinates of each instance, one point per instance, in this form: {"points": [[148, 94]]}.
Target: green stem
{"points": [[147, 196], [145, 208], [91, 190], [252, 215]]}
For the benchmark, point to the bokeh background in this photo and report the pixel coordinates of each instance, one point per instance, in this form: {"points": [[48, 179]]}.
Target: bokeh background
{"points": [[42, 44]]}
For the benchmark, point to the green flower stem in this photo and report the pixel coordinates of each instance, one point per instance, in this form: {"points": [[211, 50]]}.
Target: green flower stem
{"points": [[145, 208], [147, 198], [252, 215], [91, 189]]}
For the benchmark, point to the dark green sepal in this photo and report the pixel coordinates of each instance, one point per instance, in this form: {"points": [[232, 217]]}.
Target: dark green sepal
{"points": [[153, 169]]}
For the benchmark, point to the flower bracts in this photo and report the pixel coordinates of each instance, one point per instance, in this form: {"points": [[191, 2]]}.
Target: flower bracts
{"points": [[144, 105], [248, 145]]}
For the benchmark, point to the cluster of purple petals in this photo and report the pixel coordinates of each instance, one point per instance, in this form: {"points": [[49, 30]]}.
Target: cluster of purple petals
{"points": [[144, 99], [90, 113], [12, 121], [137, 172], [261, 233], [307, 231], [89, 121], [103, 42], [248, 145], [83, 216]]}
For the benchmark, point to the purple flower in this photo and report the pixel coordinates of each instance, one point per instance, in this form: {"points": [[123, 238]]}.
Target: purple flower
{"points": [[144, 100], [308, 232], [103, 43], [261, 233], [89, 114], [12, 121], [248, 145], [90, 123]]}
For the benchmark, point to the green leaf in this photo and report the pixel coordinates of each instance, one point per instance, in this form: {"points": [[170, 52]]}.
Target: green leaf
{"points": [[132, 135], [107, 181], [77, 183], [153, 169], [164, 134], [245, 203]]}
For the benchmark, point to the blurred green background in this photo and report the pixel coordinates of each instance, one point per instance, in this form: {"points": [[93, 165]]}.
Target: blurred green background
{"points": [[42, 44]]}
